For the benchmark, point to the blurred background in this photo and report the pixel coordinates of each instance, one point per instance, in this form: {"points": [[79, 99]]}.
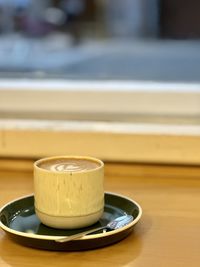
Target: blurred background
{"points": [[100, 39]]}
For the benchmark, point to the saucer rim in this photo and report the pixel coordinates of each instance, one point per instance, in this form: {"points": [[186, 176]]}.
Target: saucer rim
{"points": [[87, 237]]}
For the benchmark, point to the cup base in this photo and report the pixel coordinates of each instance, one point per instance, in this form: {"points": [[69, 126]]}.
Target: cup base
{"points": [[62, 222]]}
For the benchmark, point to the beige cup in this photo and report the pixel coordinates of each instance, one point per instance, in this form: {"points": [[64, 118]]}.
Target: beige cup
{"points": [[69, 191]]}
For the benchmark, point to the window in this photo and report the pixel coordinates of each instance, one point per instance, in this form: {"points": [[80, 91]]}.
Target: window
{"points": [[114, 69]]}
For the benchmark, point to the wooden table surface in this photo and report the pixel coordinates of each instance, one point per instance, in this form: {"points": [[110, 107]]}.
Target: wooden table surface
{"points": [[168, 233]]}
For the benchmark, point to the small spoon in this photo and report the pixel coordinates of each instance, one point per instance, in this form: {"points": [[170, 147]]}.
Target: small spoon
{"points": [[115, 224]]}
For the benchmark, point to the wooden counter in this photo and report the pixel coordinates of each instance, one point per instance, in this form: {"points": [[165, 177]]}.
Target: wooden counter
{"points": [[168, 233]]}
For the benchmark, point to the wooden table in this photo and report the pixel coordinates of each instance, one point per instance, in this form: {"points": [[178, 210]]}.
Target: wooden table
{"points": [[168, 233]]}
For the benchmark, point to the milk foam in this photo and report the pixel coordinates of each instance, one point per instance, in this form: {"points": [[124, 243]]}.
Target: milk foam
{"points": [[69, 165]]}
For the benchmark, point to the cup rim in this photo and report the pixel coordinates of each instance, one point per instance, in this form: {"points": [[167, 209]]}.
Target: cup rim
{"points": [[37, 162]]}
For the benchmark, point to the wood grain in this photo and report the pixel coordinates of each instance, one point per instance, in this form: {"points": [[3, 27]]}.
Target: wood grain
{"points": [[168, 233], [109, 141]]}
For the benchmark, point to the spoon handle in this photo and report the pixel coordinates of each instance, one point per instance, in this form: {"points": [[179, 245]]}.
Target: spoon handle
{"points": [[72, 237]]}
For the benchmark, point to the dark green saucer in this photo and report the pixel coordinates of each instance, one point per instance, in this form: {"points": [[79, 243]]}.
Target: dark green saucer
{"points": [[19, 221]]}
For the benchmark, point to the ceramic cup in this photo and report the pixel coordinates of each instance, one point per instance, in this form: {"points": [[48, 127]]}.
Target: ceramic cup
{"points": [[68, 191]]}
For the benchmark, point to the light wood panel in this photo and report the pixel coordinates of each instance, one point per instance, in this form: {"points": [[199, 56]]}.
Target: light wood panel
{"points": [[172, 144]]}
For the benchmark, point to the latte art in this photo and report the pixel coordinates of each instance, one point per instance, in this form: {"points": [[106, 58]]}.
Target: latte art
{"points": [[69, 165], [60, 167]]}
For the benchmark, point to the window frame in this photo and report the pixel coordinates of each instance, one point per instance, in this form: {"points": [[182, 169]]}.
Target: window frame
{"points": [[110, 99], [95, 125]]}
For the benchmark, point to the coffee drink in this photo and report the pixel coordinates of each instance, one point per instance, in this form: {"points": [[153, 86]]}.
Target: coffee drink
{"points": [[68, 191], [69, 165]]}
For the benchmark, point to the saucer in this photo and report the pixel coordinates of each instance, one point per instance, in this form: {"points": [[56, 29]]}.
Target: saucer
{"points": [[19, 221]]}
